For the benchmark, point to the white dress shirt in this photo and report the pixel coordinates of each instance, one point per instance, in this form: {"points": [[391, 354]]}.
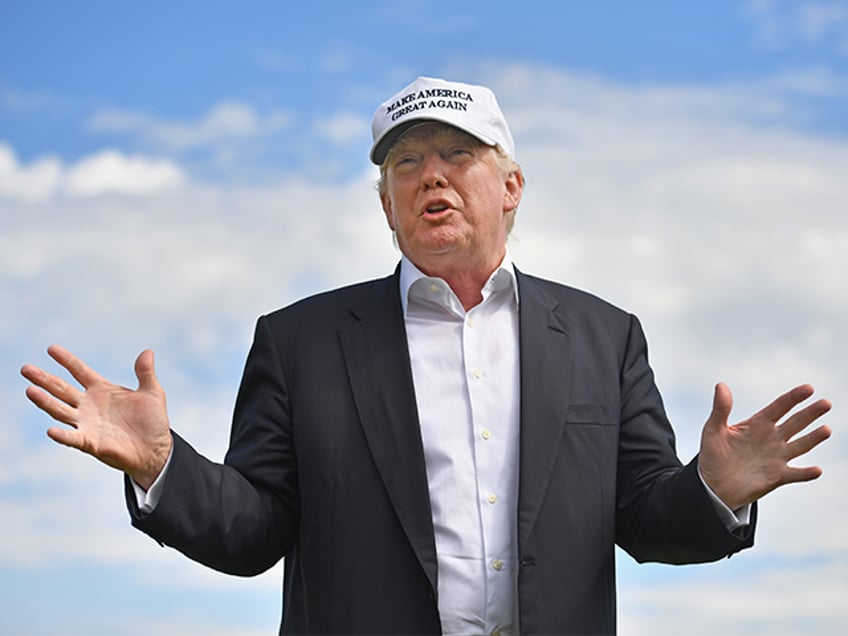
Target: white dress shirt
{"points": [[465, 370]]}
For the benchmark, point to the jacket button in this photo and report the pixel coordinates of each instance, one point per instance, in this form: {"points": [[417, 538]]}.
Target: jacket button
{"points": [[527, 561]]}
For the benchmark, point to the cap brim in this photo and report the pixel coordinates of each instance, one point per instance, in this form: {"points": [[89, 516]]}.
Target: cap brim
{"points": [[384, 143]]}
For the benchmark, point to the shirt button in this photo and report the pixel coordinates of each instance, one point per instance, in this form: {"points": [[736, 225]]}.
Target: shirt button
{"points": [[478, 374], [434, 287], [470, 321], [492, 498], [497, 564], [486, 434]]}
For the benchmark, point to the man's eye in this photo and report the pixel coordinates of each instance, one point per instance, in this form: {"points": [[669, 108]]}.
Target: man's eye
{"points": [[459, 151]]}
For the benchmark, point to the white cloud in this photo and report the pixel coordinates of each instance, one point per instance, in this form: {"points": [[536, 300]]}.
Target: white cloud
{"points": [[798, 599], [781, 24], [223, 123], [814, 82], [818, 18], [112, 172], [105, 172], [723, 235], [686, 205], [17, 100], [35, 182], [343, 128]]}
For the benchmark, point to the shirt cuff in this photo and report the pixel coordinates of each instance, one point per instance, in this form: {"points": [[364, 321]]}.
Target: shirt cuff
{"points": [[732, 519], [147, 499]]}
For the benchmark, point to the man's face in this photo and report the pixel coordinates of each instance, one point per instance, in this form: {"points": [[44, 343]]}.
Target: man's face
{"points": [[446, 197]]}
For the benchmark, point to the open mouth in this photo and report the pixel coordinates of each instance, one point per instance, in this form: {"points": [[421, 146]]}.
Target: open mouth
{"points": [[436, 208]]}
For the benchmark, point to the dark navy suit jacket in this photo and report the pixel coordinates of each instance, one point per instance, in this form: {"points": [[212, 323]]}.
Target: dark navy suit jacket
{"points": [[326, 468]]}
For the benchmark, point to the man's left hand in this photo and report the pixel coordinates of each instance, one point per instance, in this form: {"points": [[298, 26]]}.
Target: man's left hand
{"points": [[743, 462]]}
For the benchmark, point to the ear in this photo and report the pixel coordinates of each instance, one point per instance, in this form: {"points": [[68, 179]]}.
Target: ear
{"points": [[514, 188], [388, 210]]}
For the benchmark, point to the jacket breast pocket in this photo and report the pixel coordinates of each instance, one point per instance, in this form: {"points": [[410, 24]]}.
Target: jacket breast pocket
{"points": [[589, 415]]}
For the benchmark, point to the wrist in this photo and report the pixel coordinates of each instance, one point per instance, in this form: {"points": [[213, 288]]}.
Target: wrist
{"points": [[149, 473]]}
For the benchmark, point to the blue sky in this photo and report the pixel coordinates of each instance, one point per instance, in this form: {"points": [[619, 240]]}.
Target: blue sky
{"points": [[169, 171], [64, 60]]}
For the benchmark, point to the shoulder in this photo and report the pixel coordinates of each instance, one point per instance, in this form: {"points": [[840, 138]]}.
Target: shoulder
{"points": [[598, 328], [338, 305], [568, 299]]}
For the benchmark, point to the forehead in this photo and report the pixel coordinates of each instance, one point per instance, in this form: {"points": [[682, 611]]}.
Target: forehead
{"points": [[434, 131]]}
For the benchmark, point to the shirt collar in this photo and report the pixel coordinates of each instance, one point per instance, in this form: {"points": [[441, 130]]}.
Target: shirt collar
{"points": [[502, 278]]}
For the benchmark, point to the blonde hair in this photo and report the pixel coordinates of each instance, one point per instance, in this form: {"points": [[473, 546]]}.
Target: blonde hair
{"points": [[503, 160]]}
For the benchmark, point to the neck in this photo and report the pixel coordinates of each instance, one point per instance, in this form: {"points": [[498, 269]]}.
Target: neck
{"points": [[469, 290], [466, 282]]}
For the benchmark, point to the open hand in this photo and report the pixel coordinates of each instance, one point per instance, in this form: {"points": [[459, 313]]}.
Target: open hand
{"points": [[125, 429], [743, 462]]}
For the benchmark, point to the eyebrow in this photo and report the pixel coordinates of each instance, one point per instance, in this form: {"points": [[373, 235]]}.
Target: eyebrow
{"points": [[451, 137]]}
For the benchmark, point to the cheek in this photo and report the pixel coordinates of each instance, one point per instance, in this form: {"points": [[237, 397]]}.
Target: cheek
{"points": [[389, 208], [390, 220]]}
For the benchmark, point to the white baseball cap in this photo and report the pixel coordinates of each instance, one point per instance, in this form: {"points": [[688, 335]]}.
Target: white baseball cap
{"points": [[471, 108]]}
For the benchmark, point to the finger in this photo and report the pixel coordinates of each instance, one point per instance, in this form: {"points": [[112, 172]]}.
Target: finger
{"points": [[54, 385], [803, 418], [786, 402], [67, 437], [796, 475], [722, 405], [74, 439], [145, 372], [56, 409], [82, 373], [808, 442]]}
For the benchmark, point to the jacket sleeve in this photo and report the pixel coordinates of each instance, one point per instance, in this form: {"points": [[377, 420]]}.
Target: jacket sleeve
{"points": [[241, 516], [664, 513]]}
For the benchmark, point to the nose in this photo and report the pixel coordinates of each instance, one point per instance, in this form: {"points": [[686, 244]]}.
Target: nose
{"points": [[433, 172]]}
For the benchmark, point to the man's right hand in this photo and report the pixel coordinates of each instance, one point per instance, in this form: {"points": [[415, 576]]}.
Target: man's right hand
{"points": [[125, 429]]}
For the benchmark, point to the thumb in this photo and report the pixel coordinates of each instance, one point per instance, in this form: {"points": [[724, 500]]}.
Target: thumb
{"points": [[722, 405], [145, 372]]}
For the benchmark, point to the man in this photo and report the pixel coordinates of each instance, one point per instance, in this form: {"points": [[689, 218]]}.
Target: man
{"points": [[455, 448]]}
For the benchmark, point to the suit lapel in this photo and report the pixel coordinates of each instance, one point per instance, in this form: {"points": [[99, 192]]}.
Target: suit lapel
{"points": [[546, 368], [377, 358]]}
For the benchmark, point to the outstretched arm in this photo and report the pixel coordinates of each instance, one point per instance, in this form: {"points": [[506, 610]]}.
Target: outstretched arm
{"points": [[125, 429], [744, 462]]}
